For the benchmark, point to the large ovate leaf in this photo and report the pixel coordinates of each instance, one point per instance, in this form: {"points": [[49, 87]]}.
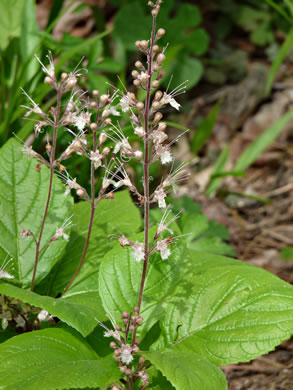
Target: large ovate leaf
{"points": [[187, 371], [23, 195], [81, 309], [53, 359], [112, 217], [119, 281], [227, 311]]}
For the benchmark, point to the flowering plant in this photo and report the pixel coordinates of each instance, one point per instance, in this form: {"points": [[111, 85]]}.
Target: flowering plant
{"points": [[142, 311]]}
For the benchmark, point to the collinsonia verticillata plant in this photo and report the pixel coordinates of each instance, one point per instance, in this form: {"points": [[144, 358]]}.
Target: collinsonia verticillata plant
{"points": [[174, 311]]}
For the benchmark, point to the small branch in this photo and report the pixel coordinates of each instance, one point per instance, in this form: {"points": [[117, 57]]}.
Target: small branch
{"points": [[52, 167]]}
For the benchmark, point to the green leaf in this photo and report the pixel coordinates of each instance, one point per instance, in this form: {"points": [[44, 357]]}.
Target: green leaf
{"points": [[204, 130], [23, 195], [185, 69], [119, 281], [227, 311], [11, 14], [279, 9], [287, 253], [218, 168], [113, 216], [197, 42], [29, 38], [188, 16], [187, 371], [81, 309], [283, 52], [263, 141], [53, 359], [131, 24]]}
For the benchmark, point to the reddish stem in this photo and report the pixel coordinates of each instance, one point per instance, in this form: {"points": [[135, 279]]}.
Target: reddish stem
{"points": [[52, 167], [146, 173], [93, 209]]}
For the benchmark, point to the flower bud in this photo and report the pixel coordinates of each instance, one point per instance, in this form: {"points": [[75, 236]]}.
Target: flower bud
{"points": [[140, 106], [144, 45], [104, 99], [93, 104], [138, 154], [125, 314], [158, 95], [134, 73], [113, 345], [156, 67], [80, 192], [155, 48], [136, 82], [95, 92], [155, 84], [162, 126], [156, 105], [64, 76], [160, 58], [161, 74], [107, 121], [93, 126], [158, 117], [160, 33], [138, 64], [48, 80], [102, 138]]}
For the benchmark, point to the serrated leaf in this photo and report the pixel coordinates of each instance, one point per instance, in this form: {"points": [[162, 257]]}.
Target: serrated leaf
{"points": [[187, 371], [81, 309], [53, 359], [113, 216], [23, 195], [119, 281], [227, 311]]}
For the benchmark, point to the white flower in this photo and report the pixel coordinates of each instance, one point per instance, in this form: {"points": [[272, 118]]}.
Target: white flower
{"points": [[159, 137], [126, 354], [38, 127], [113, 111], [162, 247], [124, 241], [96, 158], [61, 233], [112, 333], [159, 196], [168, 99], [51, 69], [127, 101], [71, 185], [138, 251], [44, 316], [81, 120], [35, 108], [138, 130], [5, 264], [166, 157]]}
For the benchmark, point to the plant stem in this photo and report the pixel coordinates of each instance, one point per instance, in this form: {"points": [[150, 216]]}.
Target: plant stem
{"points": [[146, 173], [52, 167], [93, 209]]}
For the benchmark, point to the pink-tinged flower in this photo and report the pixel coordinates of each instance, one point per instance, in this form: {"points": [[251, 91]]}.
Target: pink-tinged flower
{"points": [[127, 101], [124, 241], [163, 225], [126, 354], [162, 247], [138, 251], [138, 130]]}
